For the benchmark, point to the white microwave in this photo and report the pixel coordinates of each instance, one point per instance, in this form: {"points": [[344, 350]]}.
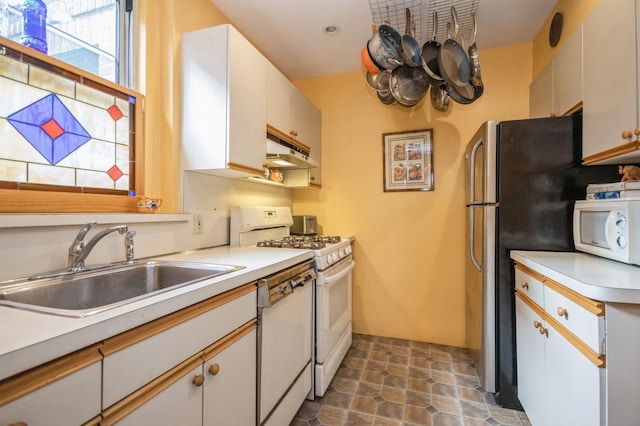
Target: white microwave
{"points": [[608, 228]]}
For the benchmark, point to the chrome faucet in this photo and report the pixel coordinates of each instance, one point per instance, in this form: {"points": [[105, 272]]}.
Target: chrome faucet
{"points": [[128, 245], [78, 251]]}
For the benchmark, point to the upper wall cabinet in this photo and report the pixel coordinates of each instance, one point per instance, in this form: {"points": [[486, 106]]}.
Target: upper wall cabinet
{"points": [[289, 111], [558, 88], [224, 109], [611, 126]]}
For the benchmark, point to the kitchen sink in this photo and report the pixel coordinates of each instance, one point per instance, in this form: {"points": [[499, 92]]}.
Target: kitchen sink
{"points": [[85, 293]]}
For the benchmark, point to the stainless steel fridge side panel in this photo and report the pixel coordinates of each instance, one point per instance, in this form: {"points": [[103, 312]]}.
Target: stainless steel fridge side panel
{"points": [[490, 162], [488, 362]]}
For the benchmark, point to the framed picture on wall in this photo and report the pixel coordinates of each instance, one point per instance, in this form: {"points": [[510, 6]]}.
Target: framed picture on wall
{"points": [[408, 160]]}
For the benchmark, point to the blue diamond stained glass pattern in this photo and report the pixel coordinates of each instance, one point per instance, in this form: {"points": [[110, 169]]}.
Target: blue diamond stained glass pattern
{"points": [[31, 120]]}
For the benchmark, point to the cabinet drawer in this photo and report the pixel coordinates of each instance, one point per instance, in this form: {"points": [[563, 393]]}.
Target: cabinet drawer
{"points": [[529, 282], [136, 357], [62, 392], [581, 316]]}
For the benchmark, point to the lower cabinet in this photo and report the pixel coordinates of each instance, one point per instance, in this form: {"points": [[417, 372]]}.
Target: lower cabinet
{"points": [[561, 377], [217, 386], [62, 392], [196, 366]]}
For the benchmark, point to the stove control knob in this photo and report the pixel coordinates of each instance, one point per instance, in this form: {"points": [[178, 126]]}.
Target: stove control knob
{"points": [[347, 249], [341, 253], [330, 259]]}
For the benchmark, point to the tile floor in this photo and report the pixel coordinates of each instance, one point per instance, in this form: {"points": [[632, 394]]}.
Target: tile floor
{"points": [[384, 381]]}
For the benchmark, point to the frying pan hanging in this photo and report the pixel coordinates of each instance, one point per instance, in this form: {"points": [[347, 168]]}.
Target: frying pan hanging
{"points": [[476, 77], [452, 60], [430, 53], [410, 47], [408, 84]]}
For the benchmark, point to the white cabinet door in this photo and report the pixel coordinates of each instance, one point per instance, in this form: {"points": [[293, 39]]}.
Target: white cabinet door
{"points": [[573, 384], [567, 74], [71, 400], [279, 94], [610, 75], [224, 103], [541, 93], [530, 352], [230, 384], [178, 404]]}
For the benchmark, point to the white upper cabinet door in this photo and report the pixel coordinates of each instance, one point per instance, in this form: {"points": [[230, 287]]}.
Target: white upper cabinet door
{"points": [[610, 75], [541, 93], [224, 104], [279, 94], [567, 74]]}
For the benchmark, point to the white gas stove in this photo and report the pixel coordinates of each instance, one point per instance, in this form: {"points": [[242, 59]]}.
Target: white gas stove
{"points": [[269, 227]]}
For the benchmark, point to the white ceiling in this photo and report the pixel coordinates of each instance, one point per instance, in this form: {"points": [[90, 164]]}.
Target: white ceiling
{"points": [[290, 32]]}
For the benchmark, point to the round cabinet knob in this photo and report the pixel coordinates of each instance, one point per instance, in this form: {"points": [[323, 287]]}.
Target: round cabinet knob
{"points": [[537, 324], [562, 312], [636, 131], [544, 331], [18, 424], [621, 241], [198, 380], [214, 369], [524, 285], [627, 134]]}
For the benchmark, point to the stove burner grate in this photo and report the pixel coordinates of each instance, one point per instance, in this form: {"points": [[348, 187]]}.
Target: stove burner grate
{"points": [[313, 242]]}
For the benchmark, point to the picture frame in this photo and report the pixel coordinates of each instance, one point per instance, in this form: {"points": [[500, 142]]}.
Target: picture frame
{"points": [[408, 161]]}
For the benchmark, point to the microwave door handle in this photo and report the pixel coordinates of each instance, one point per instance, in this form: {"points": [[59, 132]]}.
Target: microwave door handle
{"points": [[610, 230], [472, 239], [472, 171]]}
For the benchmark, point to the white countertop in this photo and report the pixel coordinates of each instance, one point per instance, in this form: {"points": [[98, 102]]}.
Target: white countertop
{"points": [[592, 276], [29, 338]]}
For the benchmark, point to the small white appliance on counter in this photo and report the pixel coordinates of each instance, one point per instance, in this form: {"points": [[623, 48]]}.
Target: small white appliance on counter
{"points": [[331, 309], [608, 228]]}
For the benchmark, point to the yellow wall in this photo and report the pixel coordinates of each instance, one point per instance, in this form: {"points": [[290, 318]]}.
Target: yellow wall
{"points": [[573, 13], [158, 78], [409, 249]]}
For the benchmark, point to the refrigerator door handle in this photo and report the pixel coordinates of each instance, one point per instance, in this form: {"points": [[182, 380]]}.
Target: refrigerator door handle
{"points": [[472, 253], [472, 171]]}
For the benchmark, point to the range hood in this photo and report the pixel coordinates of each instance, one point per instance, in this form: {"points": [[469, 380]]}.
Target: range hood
{"points": [[284, 154]]}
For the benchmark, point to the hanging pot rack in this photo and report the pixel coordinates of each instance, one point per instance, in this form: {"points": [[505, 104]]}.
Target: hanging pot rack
{"points": [[455, 29], [393, 12]]}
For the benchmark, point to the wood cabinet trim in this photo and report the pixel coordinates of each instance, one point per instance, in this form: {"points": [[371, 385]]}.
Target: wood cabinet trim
{"points": [[245, 169], [535, 275], [38, 377], [288, 138], [596, 359], [144, 331], [228, 340], [593, 306], [611, 153], [132, 402], [574, 109]]}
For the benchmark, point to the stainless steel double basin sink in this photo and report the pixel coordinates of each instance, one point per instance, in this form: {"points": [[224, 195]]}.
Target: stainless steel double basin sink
{"points": [[85, 293]]}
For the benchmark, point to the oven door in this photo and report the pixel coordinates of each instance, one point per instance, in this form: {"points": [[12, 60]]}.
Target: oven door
{"points": [[333, 307]]}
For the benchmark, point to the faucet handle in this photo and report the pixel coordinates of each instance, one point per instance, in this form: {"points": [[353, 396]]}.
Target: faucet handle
{"points": [[128, 245], [83, 231]]}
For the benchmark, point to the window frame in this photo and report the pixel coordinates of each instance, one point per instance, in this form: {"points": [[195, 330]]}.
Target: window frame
{"points": [[29, 198]]}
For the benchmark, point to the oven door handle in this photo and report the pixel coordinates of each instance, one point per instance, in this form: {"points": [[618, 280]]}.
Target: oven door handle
{"points": [[331, 279]]}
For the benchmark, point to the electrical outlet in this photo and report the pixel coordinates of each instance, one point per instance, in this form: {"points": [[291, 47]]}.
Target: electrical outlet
{"points": [[197, 223]]}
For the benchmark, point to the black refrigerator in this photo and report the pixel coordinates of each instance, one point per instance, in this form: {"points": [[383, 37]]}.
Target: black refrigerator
{"points": [[522, 179]]}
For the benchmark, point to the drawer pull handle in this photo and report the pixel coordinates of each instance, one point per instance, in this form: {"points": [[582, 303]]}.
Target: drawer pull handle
{"points": [[524, 285], [562, 312], [214, 369], [541, 329], [198, 380], [626, 134]]}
